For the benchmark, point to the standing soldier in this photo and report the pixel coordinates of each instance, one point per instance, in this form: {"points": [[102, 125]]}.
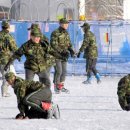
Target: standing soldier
{"points": [[60, 42], [50, 59], [90, 53], [35, 58], [32, 94], [123, 92], [7, 48]]}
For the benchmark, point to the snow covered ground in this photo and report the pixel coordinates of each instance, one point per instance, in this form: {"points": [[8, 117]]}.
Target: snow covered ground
{"points": [[87, 107]]}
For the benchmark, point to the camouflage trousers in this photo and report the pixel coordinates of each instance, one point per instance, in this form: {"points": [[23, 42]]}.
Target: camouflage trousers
{"points": [[91, 67]]}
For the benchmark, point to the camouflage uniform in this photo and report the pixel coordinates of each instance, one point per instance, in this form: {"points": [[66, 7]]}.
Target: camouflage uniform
{"points": [[7, 48], [123, 92], [60, 42], [90, 53], [50, 59], [29, 93], [35, 59]]}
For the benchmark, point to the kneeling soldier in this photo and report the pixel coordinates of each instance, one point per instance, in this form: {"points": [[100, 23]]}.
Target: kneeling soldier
{"points": [[33, 94]]}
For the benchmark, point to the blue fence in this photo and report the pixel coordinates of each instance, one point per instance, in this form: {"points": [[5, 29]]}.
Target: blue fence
{"points": [[113, 55]]}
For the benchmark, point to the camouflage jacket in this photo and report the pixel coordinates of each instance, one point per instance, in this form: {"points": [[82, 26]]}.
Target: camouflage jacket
{"points": [[35, 56], [89, 46], [49, 56], [24, 87], [123, 90], [7, 46], [60, 41]]}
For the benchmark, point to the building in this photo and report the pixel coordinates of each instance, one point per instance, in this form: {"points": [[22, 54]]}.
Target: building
{"points": [[52, 10]]}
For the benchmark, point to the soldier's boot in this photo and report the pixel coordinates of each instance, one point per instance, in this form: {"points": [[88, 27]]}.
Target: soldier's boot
{"points": [[63, 89], [98, 78], [56, 89], [88, 81]]}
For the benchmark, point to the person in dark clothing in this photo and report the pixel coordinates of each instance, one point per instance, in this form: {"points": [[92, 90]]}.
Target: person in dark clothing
{"points": [[50, 59], [89, 47], [32, 94], [61, 43], [7, 47]]}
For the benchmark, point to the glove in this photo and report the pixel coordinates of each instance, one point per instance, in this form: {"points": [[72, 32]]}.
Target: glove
{"points": [[19, 116], [44, 43], [65, 54], [78, 55], [72, 53], [64, 59]]}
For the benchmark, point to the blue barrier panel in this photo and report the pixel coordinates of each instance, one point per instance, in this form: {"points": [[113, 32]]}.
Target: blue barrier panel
{"points": [[113, 55]]}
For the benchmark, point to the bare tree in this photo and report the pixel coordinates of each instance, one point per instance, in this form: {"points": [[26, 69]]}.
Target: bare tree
{"points": [[104, 9]]}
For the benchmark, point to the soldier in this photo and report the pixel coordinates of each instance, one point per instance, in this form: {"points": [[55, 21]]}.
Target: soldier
{"points": [[123, 92], [7, 48], [90, 53], [32, 94], [35, 58], [50, 59], [60, 42]]}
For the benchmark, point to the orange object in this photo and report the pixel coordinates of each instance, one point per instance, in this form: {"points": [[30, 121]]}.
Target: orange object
{"points": [[107, 37]]}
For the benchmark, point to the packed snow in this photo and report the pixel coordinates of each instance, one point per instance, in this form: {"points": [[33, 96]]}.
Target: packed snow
{"points": [[86, 107]]}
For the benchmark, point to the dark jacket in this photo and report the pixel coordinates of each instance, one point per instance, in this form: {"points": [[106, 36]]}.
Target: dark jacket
{"points": [[22, 88], [89, 46], [60, 42]]}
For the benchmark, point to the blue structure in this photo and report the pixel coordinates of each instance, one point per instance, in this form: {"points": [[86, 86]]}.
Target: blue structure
{"points": [[112, 55]]}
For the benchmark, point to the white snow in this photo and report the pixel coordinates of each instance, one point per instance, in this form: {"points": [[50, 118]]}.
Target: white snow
{"points": [[87, 107]]}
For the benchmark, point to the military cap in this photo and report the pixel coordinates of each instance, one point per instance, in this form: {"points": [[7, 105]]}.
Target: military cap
{"points": [[36, 32], [85, 25], [9, 76], [34, 26], [63, 21], [5, 23]]}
